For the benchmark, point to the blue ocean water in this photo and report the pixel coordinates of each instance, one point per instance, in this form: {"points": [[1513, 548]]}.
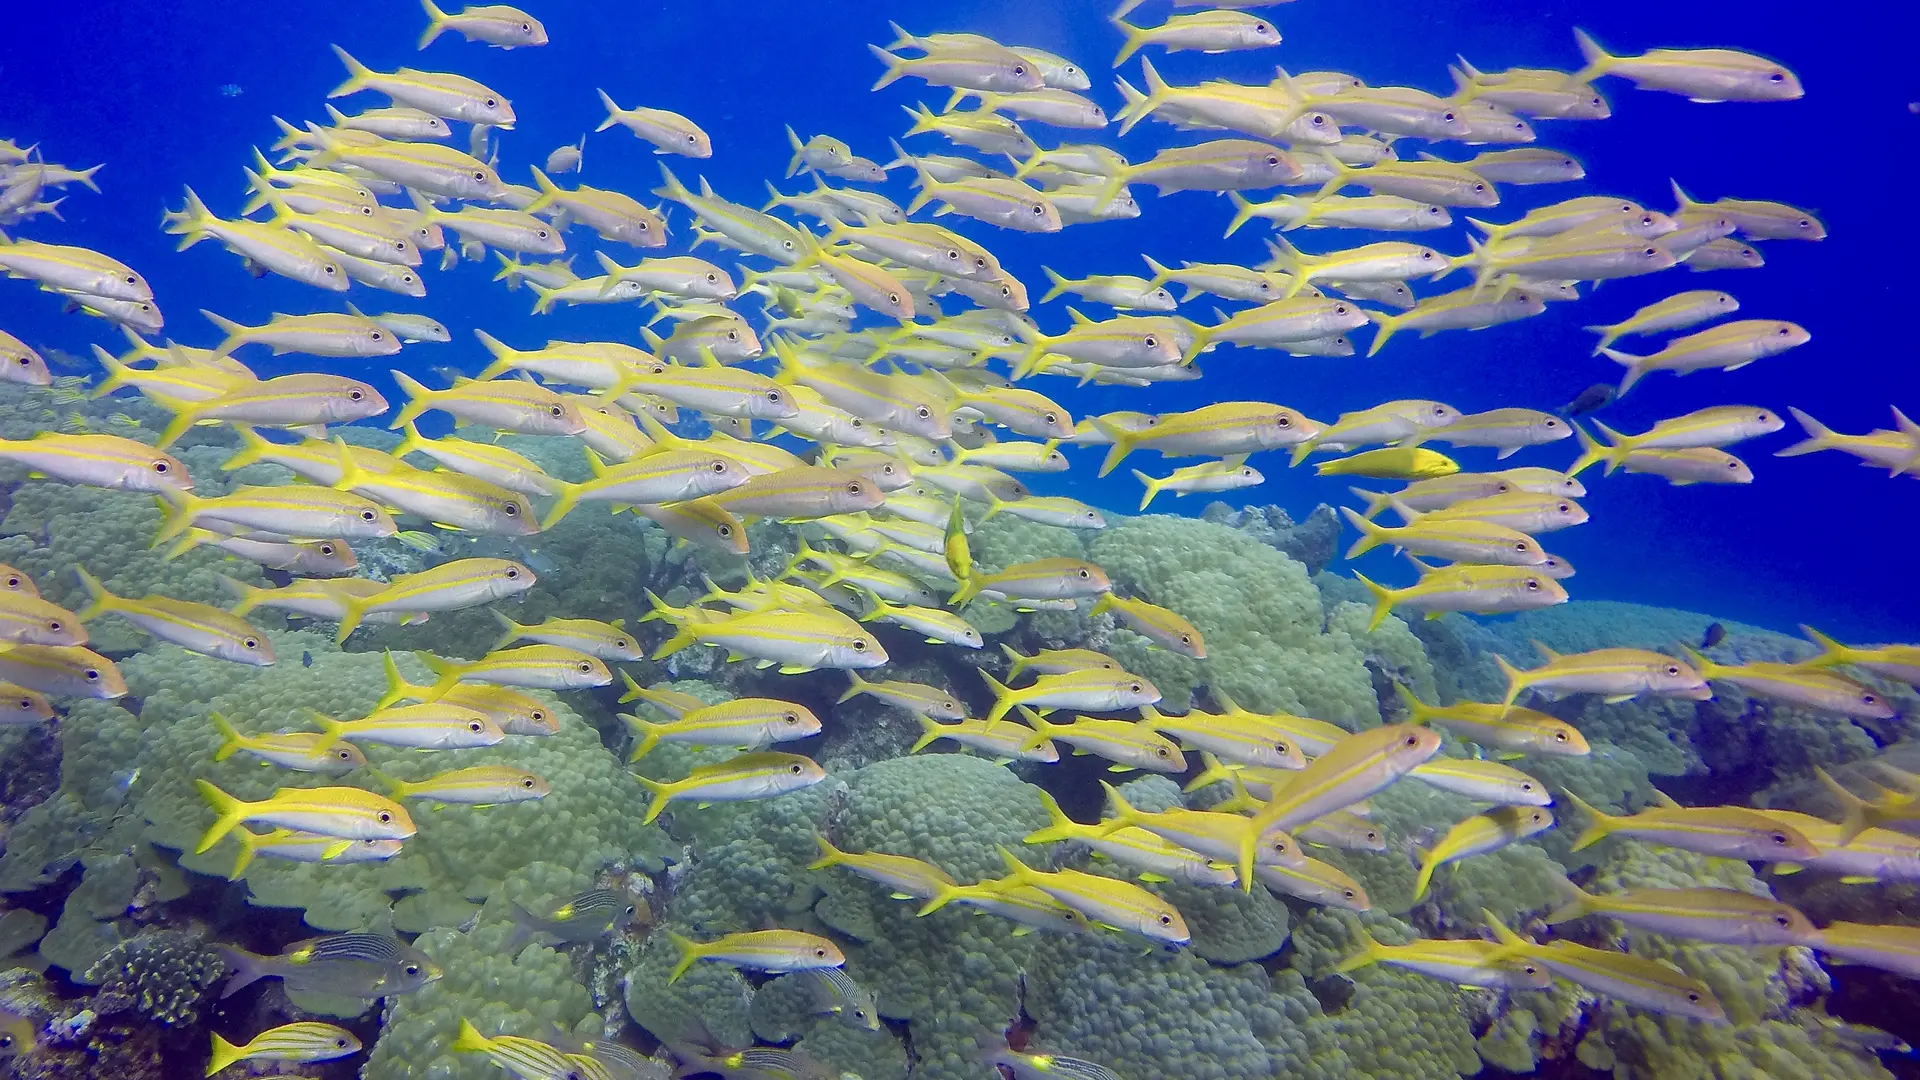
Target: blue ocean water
{"points": [[1817, 538]]}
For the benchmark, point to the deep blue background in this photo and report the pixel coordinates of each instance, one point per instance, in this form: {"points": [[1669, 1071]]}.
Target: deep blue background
{"points": [[1816, 539]]}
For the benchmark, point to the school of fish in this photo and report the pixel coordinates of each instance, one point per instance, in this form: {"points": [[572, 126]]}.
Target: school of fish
{"points": [[890, 441]]}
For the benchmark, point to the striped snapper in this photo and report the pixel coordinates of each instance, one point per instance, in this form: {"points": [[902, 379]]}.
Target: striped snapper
{"points": [[199, 628]]}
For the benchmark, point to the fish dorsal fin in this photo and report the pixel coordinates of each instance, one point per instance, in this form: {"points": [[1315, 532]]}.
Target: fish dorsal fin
{"points": [[1664, 800], [1544, 651]]}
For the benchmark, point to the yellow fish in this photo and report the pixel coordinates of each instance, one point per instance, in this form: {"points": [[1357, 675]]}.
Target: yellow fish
{"points": [[1392, 463]]}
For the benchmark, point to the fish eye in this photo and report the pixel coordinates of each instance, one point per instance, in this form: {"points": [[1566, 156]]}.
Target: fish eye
{"points": [[1779, 839], [1776, 77], [1673, 669], [1412, 741], [412, 969], [859, 644], [794, 768], [158, 466], [556, 411], [1273, 159], [527, 782], [586, 668], [343, 755], [725, 531], [1869, 699], [26, 703], [368, 515], [91, 674], [692, 139], [1166, 920], [250, 643], [330, 268], [512, 572], [511, 510], [475, 726], [1782, 921], [538, 715], [133, 279], [354, 395], [480, 176], [922, 412], [385, 817], [1533, 585], [1160, 751], [1693, 996], [733, 335]]}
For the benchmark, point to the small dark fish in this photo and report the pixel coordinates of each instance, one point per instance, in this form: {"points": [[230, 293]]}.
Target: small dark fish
{"points": [[1715, 635], [306, 658], [347, 965], [753, 1063], [624, 1062], [1050, 1066], [833, 992], [1595, 397], [586, 917]]}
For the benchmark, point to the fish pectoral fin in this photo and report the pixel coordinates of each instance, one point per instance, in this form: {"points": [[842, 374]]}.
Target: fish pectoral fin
{"points": [[1856, 879], [1116, 767], [902, 896], [1156, 879], [791, 669], [1022, 931], [1615, 699]]}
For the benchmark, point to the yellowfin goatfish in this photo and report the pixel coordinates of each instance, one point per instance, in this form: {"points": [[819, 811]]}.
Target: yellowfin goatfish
{"points": [[476, 785], [499, 25], [104, 461], [544, 667], [669, 132], [1221, 430], [1725, 916], [1480, 834], [1901, 662], [1889, 948], [1497, 727], [1795, 684], [1464, 962], [295, 846], [62, 670], [346, 812], [73, 269], [745, 723], [1103, 900], [1654, 985], [299, 750], [1153, 858], [1316, 883], [1483, 781], [200, 628], [747, 776], [1487, 590], [1461, 539], [1615, 674], [498, 403], [450, 586], [1699, 74], [907, 877], [435, 726], [299, 1042], [1350, 771], [761, 950], [452, 96], [1010, 742], [1730, 832], [1676, 312], [1126, 744]]}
